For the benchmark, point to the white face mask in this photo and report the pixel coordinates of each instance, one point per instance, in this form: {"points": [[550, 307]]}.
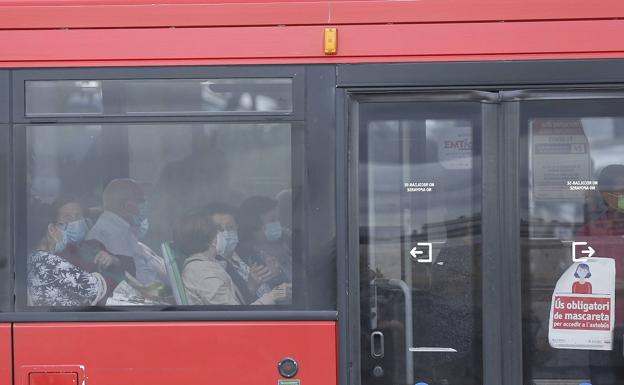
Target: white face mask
{"points": [[141, 230], [226, 242]]}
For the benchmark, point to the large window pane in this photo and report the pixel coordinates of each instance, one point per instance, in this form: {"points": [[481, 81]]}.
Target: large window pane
{"points": [[174, 214], [571, 210], [158, 96]]}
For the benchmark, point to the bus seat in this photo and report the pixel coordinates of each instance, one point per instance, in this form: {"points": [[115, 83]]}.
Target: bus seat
{"points": [[173, 272]]}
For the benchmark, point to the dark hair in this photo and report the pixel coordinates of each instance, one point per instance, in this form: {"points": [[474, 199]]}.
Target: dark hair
{"points": [[250, 215], [582, 266], [608, 175], [193, 233], [40, 216]]}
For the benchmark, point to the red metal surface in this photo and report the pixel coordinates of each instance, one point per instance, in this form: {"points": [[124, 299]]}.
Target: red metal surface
{"points": [[6, 371], [160, 13], [356, 43], [53, 379], [159, 353]]}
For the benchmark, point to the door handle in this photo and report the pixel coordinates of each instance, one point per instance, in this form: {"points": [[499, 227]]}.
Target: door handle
{"points": [[377, 344]]}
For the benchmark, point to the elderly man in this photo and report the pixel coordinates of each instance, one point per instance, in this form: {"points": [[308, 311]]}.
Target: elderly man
{"points": [[121, 225]]}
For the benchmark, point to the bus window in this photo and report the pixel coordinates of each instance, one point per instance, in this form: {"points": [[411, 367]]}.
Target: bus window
{"points": [[158, 96], [160, 215], [572, 229]]}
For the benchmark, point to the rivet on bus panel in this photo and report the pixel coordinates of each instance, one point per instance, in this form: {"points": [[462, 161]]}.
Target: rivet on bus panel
{"points": [[331, 41]]}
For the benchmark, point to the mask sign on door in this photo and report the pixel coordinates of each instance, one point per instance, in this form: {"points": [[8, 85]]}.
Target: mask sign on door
{"points": [[582, 310]]}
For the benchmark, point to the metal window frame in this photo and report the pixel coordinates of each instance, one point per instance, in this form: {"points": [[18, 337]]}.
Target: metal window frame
{"points": [[306, 171], [5, 99], [490, 261], [296, 73]]}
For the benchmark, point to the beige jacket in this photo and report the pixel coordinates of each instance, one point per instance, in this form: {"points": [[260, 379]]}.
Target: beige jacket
{"points": [[207, 283]]}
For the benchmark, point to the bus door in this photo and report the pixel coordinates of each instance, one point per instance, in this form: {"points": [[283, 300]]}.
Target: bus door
{"points": [[416, 179]]}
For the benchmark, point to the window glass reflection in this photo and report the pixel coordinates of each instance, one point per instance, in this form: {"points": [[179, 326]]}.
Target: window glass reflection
{"points": [[159, 214], [157, 96], [572, 238]]}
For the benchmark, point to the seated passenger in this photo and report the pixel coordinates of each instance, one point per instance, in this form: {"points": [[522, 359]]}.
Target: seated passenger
{"points": [[121, 225], [204, 273], [90, 255], [250, 280], [51, 279], [262, 238]]}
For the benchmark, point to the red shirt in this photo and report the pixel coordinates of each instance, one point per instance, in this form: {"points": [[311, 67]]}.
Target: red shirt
{"points": [[582, 288]]}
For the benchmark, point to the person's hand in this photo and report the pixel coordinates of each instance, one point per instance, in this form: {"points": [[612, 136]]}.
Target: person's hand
{"points": [[261, 273], [282, 293], [104, 260]]}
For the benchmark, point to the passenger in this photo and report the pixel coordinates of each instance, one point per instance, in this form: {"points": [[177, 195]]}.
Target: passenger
{"points": [[250, 280], [121, 225], [90, 255], [204, 273], [262, 240], [51, 279]]}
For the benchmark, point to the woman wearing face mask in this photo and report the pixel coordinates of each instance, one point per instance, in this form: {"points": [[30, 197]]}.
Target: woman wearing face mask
{"points": [[251, 280], [204, 271], [89, 255], [51, 279], [261, 238]]}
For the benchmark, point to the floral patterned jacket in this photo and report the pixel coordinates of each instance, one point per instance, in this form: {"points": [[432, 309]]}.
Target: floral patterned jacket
{"points": [[53, 281]]}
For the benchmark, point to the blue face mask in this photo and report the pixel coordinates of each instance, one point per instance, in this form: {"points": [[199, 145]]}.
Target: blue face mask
{"points": [[76, 231], [273, 231], [61, 244], [141, 215], [141, 230], [226, 242]]}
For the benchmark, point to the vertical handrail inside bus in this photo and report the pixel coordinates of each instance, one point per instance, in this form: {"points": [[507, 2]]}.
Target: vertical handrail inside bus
{"points": [[409, 324]]}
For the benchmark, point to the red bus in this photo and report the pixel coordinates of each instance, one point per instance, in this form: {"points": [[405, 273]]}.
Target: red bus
{"points": [[311, 193]]}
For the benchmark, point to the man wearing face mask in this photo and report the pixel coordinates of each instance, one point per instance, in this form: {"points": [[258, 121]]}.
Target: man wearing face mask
{"points": [[605, 235], [122, 224]]}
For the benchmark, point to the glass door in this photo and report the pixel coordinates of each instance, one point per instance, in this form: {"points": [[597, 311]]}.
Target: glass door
{"points": [[417, 182], [572, 235]]}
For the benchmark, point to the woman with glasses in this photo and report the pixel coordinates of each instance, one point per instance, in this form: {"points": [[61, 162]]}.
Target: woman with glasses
{"points": [[52, 280]]}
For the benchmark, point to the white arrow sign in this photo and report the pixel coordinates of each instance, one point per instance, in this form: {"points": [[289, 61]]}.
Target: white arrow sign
{"points": [[416, 253], [589, 251]]}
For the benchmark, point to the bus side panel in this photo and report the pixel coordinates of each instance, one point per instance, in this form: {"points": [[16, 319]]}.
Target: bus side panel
{"points": [[5, 354], [165, 353]]}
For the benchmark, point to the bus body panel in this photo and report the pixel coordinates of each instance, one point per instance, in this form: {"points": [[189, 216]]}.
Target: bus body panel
{"points": [[356, 43], [164, 353], [5, 354], [196, 13]]}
